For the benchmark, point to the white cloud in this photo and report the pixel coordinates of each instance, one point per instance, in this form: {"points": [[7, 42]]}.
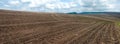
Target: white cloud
{"points": [[14, 2], [60, 5], [50, 6], [67, 5], [104, 0], [110, 6], [80, 2], [36, 3], [7, 5]]}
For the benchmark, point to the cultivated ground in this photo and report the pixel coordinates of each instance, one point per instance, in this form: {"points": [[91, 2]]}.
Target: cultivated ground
{"points": [[55, 28]]}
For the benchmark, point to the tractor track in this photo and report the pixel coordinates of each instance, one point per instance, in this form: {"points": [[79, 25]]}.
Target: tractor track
{"points": [[51, 32], [57, 28], [84, 34]]}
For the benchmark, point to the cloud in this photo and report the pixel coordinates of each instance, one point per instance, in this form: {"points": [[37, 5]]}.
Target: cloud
{"points": [[62, 5], [7, 5], [36, 3], [49, 4], [13, 2], [111, 5], [78, 5]]}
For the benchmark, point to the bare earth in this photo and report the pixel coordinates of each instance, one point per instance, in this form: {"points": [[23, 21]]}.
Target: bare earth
{"points": [[55, 28]]}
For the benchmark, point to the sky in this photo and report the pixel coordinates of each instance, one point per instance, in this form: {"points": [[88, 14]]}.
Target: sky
{"points": [[62, 6]]}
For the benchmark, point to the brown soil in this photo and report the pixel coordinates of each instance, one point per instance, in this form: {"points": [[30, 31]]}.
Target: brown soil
{"points": [[52, 28]]}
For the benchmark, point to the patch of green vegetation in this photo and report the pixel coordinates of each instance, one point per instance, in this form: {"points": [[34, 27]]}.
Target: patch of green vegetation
{"points": [[118, 23]]}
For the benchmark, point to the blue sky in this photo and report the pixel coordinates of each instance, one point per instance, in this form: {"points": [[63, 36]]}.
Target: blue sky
{"points": [[62, 5]]}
